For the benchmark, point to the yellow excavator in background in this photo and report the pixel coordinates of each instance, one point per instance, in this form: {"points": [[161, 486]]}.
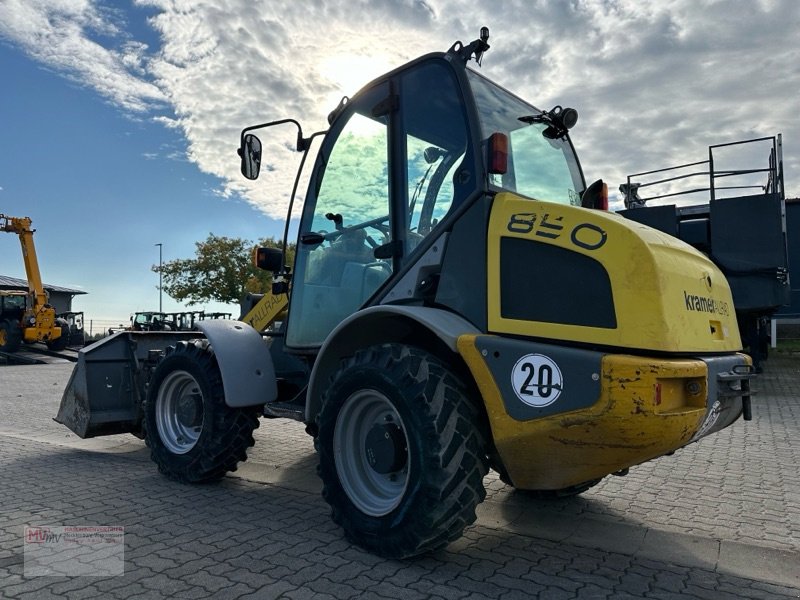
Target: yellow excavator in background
{"points": [[33, 320]]}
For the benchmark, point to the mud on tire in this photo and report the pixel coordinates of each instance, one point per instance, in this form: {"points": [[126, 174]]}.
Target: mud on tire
{"points": [[402, 451], [192, 434]]}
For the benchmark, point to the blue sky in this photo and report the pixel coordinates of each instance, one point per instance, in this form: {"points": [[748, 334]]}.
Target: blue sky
{"points": [[103, 186], [102, 189], [121, 119]]}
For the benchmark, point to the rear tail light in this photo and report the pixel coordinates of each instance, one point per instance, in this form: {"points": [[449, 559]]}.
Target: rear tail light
{"points": [[498, 154]]}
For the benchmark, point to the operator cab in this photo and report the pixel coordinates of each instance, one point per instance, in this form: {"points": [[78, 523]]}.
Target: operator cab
{"points": [[13, 305], [400, 160], [395, 162]]}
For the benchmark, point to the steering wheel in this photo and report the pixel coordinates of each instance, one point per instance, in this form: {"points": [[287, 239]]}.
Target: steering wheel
{"points": [[376, 223]]}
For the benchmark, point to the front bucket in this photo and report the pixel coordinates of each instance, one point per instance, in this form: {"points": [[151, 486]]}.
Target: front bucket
{"points": [[74, 410], [105, 392]]}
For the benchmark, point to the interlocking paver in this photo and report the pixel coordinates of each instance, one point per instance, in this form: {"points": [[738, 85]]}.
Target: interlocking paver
{"points": [[309, 594], [245, 539], [556, 594]]}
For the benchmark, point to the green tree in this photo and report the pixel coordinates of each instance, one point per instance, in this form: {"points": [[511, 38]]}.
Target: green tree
{"points": [[221, 271]]}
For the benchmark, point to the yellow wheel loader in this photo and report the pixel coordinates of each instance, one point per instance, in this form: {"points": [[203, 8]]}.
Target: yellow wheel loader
{"points": [[460, 300]]}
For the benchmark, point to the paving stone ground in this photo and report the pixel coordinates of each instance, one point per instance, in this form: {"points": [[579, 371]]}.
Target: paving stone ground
{"points": [[719, 519]]}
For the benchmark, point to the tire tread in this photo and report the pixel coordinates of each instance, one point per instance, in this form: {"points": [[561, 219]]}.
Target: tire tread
{"points": [[456, 450], [231, 432]]}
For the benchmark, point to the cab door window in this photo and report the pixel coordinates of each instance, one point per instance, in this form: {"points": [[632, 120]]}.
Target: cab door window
{"points": [[349, 218]]}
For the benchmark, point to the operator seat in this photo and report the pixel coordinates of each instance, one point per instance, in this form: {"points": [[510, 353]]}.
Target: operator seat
{"points": [[326, 266]]}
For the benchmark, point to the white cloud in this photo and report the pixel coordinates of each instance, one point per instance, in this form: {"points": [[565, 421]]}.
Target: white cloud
{"points": [[58, 33], [655, 82]]}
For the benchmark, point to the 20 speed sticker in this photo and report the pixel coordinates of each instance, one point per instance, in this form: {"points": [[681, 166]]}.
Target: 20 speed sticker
{"points": [[537, 380]]}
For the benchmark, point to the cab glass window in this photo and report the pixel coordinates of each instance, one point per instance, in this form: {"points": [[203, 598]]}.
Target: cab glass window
{"points": [[436, 138], [538, 167], [347, 220]]}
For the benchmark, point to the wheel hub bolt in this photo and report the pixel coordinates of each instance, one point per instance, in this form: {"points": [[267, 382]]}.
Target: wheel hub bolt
{"points": [[385, 448]]}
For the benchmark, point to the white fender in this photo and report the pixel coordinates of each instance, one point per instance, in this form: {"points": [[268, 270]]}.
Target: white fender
{"points": [[248, 375]]}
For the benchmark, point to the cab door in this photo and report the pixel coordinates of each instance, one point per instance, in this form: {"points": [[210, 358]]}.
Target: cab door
{"points": [[344, 251], [395, 163]]}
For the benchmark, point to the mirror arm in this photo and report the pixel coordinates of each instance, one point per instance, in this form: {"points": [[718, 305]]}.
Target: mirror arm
{"points": [[303, 145], [302, 142]]}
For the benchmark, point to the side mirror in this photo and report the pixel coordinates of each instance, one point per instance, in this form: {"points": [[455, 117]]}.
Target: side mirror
{"points": [[250, 153]]}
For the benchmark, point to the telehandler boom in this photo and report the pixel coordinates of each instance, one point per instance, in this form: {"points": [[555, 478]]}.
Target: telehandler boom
{"points": [[459, 301], [34, 320]]}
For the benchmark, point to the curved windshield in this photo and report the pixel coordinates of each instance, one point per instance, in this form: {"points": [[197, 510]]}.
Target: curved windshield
{"points": [[14, 301], [538, 167]]}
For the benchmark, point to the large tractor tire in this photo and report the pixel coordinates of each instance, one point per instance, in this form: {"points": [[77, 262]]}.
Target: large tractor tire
{"points": [[10, 336], [402, 451], [61, 341], [192, 434]]}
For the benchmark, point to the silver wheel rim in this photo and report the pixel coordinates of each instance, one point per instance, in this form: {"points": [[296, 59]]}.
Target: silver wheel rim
{"points": [[178, 391], [373, 493]]}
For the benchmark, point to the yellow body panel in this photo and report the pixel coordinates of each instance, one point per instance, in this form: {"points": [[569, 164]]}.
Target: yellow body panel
{"points": [[44, 329], [647, 408], [667, 296]]}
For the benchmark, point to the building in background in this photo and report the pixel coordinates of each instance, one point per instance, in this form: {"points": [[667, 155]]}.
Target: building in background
{"points": [[60, 298]]}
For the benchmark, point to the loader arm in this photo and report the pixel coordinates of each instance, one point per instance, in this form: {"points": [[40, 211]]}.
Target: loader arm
{"points": [[266, 311]]}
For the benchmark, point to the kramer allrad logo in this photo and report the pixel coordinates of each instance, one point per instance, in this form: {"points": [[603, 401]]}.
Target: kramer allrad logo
{"points": [[705, 304]]}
